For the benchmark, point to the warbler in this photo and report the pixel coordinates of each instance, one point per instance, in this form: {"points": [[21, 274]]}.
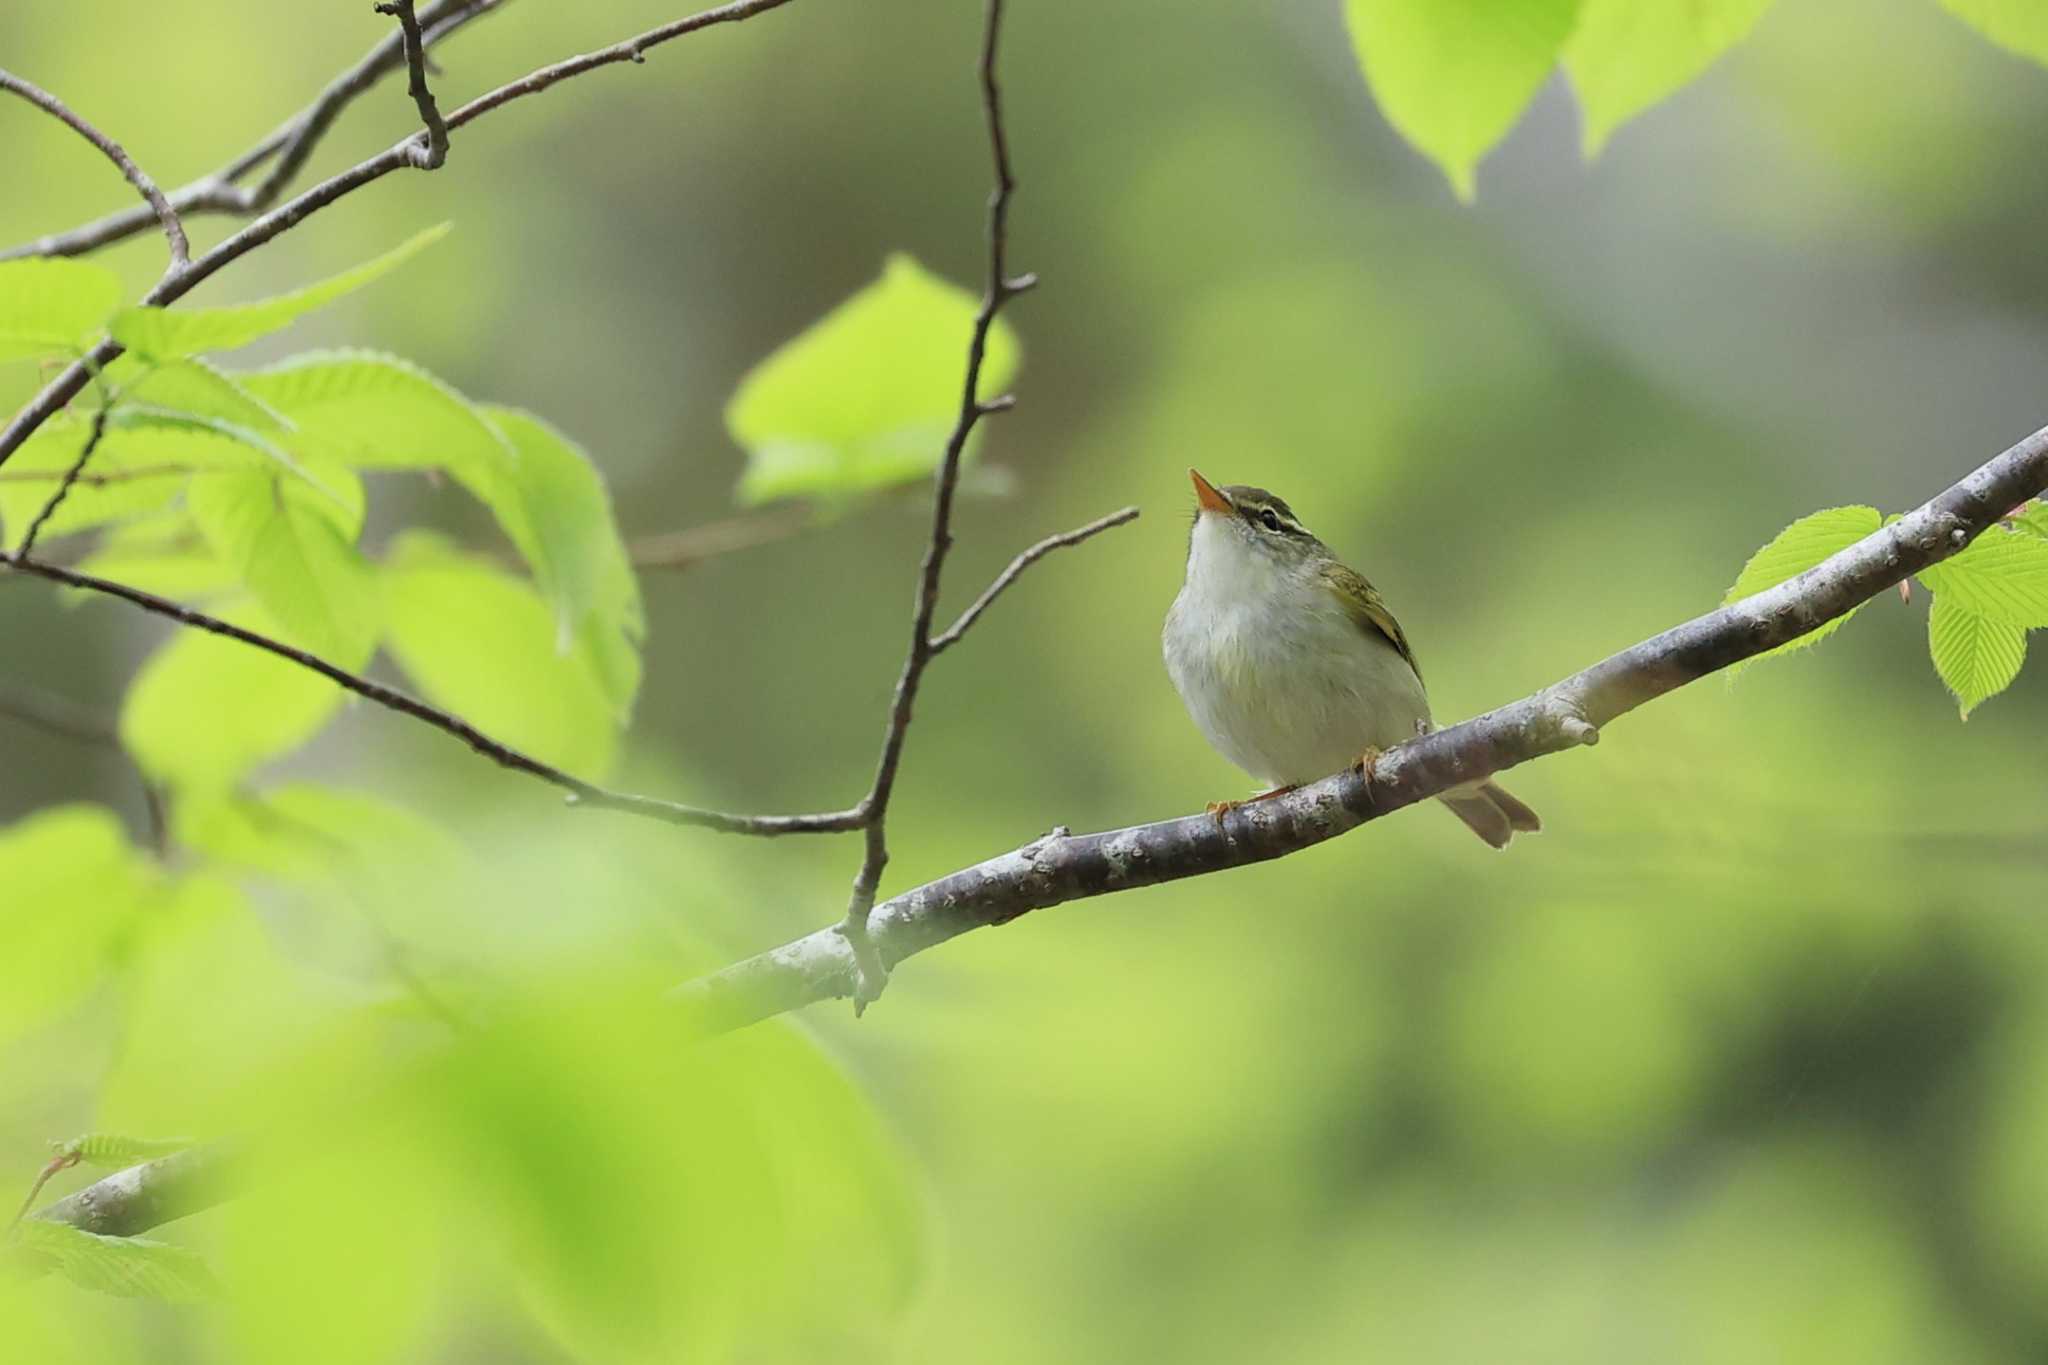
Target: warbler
{"points": [[1289, 661]]}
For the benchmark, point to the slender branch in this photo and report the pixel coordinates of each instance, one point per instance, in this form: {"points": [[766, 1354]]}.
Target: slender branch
{"points": [[582, 792], [112, 476], [1065, 867], [71, 476], [160, 207], [435, 152], [399, 155], [941, 643], [999, 289], [60, 716], [286, 149]]}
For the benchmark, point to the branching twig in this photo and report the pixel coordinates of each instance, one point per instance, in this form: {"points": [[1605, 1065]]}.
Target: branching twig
{"points": [[398, 156], [431, 156], [1063, 867], [998, 290], [286, 149], [580, 791], [159, 207], [941, 643]]}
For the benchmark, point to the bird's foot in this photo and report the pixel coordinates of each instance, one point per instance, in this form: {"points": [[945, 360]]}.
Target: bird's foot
{"points": [[1219, 809], [1367, 765]]}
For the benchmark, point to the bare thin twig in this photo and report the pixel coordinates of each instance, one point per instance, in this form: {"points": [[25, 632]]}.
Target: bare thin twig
{"points": [[286, 149], [685, 548], [1064, 867], [580, 791], [60, 716], [68, 384], [71, 476], [999, 289], [160, 207], [941, 643], [431, 156], [112, 476]]}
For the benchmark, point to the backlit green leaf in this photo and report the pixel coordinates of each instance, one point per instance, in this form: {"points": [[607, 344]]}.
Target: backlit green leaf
{"points": [[1625, 55], [125, 481], [1452, 76], [53, 306], [2018, 25], [282, 539], [113, 1151], [129, 1267], [73, 884], [193, 387], [2002, 575], [2033, 518], [482, 643], [373, 411], [1794, 550], [866, 398], [206, 711], [1977, 657], [555, 509], [172, 333], [165, 555]]}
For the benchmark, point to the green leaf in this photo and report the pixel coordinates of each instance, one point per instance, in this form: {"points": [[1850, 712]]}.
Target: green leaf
{"points": [[480, 642], [73, 886], [112, 1151], [374, 411], [1452, 76], [211, 443], [2018, 25], [2002, 574], [2032, 517], [53, 306], [284, 543], [1626, 55], [173, 333], [1794, 550], [866, 398], [130, 1267], [553, 506], [195, 388], [36, 469], [165, 555], [1976, 656], [205, 711]]}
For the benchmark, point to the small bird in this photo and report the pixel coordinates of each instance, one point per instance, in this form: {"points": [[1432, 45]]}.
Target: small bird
{"points": [[1291, 664]]}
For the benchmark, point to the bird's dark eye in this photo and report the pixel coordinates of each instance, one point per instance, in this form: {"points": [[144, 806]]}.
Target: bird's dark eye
{"points": [[1270, 518]]}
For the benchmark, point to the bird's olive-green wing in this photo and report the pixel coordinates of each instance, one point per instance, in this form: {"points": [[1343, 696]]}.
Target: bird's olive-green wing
{"points": [[1367, 609]]}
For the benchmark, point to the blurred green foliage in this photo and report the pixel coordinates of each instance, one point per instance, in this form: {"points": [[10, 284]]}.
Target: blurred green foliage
{"points": [[1740, 1060]]}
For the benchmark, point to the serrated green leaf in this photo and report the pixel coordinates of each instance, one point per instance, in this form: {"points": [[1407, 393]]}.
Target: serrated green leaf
{"points": [[283, 541], [206, 711], [213, 443], [73, 884], [193, 387], [1452, 76], [554, 507], [113, 1151], [2033, 518], [481, 643], [125, 483], [130, 1267], [53, 305], [374, 411], [1626, 55], [173, 333], [1976, 656], [867, 396], [1794, 550], [165, 555], [2017, 25], [2002, 574]]}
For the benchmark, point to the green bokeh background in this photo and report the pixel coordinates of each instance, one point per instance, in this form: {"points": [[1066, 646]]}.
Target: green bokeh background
{"points": [[1743, 1059]]}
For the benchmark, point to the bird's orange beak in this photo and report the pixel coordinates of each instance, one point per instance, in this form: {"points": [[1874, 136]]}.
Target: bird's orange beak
{"points": [[1208, 495]]}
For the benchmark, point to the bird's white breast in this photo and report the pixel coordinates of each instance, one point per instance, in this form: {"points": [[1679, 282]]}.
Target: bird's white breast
{"points": [[1275, 672]]}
